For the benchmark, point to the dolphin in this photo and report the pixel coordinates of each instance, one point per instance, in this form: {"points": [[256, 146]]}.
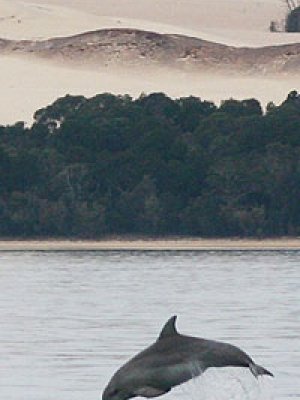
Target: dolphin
{"points": [[172, 360]]}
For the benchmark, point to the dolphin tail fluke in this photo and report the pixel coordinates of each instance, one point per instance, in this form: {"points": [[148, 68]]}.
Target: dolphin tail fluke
{"points": [[258, 370]]}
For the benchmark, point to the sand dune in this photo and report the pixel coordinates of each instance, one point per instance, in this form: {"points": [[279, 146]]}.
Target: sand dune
{"points": [[30, 84], [132, 47], [234, 22]]}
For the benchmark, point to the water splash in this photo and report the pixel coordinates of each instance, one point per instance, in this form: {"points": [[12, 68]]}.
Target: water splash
{"points": [[226, 384]]}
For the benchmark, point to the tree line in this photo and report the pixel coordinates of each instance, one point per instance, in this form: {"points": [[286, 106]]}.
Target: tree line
{"points": [[152, 166]]}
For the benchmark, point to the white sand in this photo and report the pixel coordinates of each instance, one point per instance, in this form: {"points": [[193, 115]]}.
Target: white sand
{"points": [[29, 85], [236, 22], [32, 84]]}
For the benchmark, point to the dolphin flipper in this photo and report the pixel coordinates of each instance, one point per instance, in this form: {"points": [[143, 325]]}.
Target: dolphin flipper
{"points": [[148, 391]]}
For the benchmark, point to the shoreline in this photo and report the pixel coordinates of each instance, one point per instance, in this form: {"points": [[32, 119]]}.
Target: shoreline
{"points": [[139, 244]]}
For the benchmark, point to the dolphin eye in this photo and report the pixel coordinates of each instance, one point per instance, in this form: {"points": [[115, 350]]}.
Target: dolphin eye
{"points": [[114, 392]]}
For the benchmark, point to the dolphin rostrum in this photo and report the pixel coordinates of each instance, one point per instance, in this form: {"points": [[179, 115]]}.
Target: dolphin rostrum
{"points": [[172, 360]]}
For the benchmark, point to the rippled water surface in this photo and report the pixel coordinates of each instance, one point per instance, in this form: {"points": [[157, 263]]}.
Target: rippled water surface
{"points": [[70, 319]]}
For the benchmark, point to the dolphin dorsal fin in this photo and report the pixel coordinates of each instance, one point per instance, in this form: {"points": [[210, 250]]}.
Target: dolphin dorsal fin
{"points": [[169, 328]]}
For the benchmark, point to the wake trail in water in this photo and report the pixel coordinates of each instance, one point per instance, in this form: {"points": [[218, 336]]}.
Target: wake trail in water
{"points": [[225, 384]]}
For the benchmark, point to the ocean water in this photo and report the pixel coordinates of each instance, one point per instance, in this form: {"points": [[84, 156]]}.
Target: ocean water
{"points": [[70, 319]]}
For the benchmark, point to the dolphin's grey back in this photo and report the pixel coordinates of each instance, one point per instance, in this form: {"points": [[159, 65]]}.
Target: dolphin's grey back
{"points": [[191, 358], [191, 349]]}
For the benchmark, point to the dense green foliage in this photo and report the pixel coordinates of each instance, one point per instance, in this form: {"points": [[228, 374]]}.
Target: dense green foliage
{"points": [[152, 166]]}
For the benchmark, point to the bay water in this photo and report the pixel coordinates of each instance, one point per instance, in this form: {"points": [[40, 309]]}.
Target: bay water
{"points": [[70, 319]]}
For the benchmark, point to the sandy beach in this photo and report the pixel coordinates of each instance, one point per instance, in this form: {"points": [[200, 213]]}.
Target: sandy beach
{"points": [[30, 84], [171, 244]]}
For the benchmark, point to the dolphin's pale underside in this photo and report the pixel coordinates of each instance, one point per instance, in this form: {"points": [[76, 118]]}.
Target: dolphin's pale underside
{"points": [[172, 360]]}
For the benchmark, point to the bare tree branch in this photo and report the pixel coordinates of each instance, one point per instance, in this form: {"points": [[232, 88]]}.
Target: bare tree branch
{"points": [[289, 4], [292, 4]]}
